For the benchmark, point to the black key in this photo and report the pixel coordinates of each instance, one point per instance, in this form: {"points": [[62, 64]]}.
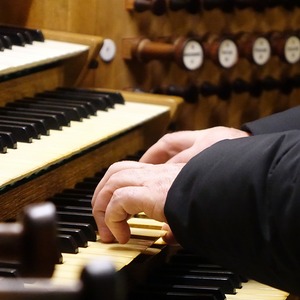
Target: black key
{"points": [[39, 123], [66, 216], [224, 283], [214, 292], [20, 132], [67, 244], [92, 179], [76, 233], [17, 38], [27, 37], [2, 46], [9, 272], [10, 31], [85, 210], [31, 128], [116, 96], [87, 185], [60, 117], [99, 175], [71, 113], [8, 139], [202, 272], [49, 121], [60, 200], [6, 42], [75, 191], [35, 34], [3, 145], [69, 193], [9, 269], [169, 295], [100, 103], [109, 103], [188, 258], [89, 106], [81, 109], [88, 230]]}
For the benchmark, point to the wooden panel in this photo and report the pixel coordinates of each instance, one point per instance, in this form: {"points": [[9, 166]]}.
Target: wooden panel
{"points": [[110, 19]]}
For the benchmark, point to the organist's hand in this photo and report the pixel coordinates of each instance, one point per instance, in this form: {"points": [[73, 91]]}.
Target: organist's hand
{"points": [[128, 188], [181, 146]]}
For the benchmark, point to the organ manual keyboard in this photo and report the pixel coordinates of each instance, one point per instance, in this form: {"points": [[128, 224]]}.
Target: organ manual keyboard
{"points": [[23, 49]]}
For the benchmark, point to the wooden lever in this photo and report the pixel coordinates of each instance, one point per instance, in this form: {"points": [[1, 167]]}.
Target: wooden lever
{"points": [[186, 52], [31, 242]]}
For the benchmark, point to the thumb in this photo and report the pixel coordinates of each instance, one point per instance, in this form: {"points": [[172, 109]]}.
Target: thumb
{"points": [[169, 238]]}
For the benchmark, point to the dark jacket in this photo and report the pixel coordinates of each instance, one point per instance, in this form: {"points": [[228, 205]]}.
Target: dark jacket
{"points": [[238, 202]]}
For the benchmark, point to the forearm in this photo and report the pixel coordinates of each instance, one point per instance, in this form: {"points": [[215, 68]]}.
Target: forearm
{"points": [[279, 122], [238, 203]]}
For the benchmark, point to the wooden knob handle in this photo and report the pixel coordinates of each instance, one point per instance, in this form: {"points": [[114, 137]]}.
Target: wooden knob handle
{"points": [[254, 47], [222, 50], [32, 242], [186, 52], [286, 46]]}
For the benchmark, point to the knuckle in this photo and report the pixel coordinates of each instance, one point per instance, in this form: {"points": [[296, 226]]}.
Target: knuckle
{"points": [[167, 138]]}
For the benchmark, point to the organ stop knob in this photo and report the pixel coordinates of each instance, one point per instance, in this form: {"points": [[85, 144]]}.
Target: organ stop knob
{"points": [[222, 50], [286, 46], [254, 47], [186, 52]]}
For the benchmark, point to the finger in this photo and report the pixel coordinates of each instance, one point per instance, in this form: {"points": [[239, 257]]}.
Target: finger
{"points": [[103, 196], [105, 234], [169, 238], [113, 169], [125, 202], [156, 154], [168, 146], [184, 156]]}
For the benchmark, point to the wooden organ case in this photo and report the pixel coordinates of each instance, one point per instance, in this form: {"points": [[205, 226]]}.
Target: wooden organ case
{"points": [[215, 95], [147, 44]]}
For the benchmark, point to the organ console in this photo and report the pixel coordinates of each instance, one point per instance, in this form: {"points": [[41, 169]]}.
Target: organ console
{"points": [[59, 159]]}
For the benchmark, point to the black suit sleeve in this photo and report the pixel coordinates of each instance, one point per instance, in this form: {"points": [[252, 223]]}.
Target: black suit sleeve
{"points": [[238, 204], [283, 121]]}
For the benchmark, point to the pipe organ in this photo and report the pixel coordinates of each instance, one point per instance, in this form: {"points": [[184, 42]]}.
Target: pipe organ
{"points": [[232, 40], [85, 84]]}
